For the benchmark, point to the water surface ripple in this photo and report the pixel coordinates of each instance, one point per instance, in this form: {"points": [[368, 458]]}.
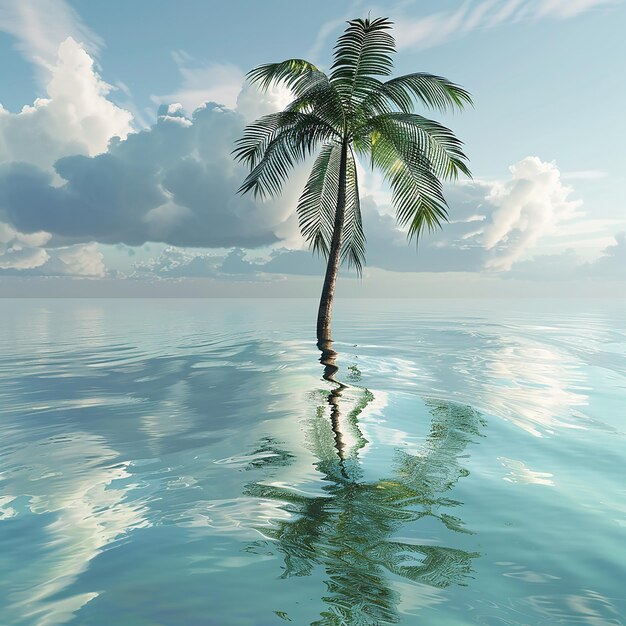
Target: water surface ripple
{"points": [[185, 462]]}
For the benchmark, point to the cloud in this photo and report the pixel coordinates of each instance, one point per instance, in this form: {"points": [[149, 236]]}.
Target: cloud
{"points": [[527, 207], [439, 27], [253, 103], [330, 26], [561, 267], [175, 182], [281, 261], [203, 82], [178, 263], [10, 236], [21, 251], [493, 226], [75, 118], [387, 249], [19, 258], [83, 260], [564, 9], [223, 84], [73, 172], [584, 175], [612, 262], [184, 263], [79, 260], [433, 29], [41, 25], [570, 266]]}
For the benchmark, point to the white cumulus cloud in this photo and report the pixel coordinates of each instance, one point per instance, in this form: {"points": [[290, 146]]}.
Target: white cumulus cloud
{"points": [[253, 103], [79, 260], [72, 171], [19, 258], [84, 260], [66, 182], [527, 207], [75, 118]]}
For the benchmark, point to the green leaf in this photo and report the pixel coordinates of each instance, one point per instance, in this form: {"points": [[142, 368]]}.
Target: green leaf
{"points": [[292, 73], [318, 202], [434, 92], [353, 241], [416, 191], [418, 136], [362, 53], [273, 144]]}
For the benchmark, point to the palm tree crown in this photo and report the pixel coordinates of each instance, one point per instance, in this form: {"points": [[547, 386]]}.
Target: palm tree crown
{"points": [[354, 111]]}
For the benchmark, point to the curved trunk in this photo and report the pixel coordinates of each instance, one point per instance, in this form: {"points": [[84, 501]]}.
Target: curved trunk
{"points": [[334, 254]]}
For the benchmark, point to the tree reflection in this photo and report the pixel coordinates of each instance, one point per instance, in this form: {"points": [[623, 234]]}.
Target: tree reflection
{"points": [[350, 530]]}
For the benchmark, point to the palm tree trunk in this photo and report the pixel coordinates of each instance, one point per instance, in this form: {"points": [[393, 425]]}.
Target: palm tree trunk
{"points": [[332, 268]]}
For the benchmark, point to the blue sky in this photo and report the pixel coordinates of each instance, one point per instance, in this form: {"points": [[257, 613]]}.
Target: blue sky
{"points": [[155, 213]]}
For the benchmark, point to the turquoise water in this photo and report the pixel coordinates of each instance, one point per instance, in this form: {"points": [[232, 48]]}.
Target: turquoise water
{"points": [[184, 463]]}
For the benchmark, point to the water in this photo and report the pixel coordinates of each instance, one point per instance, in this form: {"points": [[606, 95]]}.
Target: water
{"points": [[184, 463]]}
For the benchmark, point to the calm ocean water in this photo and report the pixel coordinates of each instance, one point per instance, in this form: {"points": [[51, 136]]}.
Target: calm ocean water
{"points": [[184, 463]]}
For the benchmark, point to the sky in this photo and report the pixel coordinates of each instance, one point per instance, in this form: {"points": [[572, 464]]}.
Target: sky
{"points": [[118, 120]]}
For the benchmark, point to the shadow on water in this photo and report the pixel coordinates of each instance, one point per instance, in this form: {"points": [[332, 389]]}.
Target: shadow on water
{"points": [[351, 530]]}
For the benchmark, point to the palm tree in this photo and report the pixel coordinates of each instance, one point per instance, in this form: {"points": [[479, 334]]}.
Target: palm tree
{"points": [[348, 113]]}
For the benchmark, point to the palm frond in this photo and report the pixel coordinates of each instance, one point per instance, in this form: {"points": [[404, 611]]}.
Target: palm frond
{"points": [[362, 52], [272, 148], [415, 136], [318, 205], [353, 242], [318, 202], [417, 193], [320, 97], [434, 92], [258, 136], [291, 72]]}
